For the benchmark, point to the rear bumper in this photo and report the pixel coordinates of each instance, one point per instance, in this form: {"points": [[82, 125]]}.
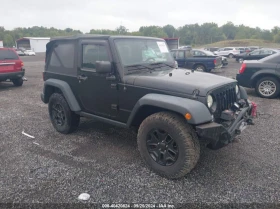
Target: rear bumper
{"points": [[219, 66], [243, 80], [13, 75], [219, 135]]}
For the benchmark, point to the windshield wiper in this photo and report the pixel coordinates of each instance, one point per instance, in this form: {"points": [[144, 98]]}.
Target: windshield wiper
{"points": [[9, 58], [137, 67], [162, 63]]}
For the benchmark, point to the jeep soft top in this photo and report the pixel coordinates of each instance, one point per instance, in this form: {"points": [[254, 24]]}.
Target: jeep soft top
{"points": [[132, 82]]}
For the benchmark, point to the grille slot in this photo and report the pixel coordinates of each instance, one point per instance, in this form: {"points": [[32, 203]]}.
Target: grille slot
{"points": [[225, 99]]}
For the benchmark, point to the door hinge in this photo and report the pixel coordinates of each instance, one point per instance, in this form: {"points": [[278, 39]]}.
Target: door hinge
{"points": [[114, 106]]}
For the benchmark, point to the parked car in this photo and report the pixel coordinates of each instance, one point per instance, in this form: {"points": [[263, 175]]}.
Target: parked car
{"points": [[201, 52], [252, 48], [29, 53], [11, 67], [263, 75], [19, 52], [255, 55], [244, 49], [186, 59], [108, 79], [227, 52], [212, 49]]}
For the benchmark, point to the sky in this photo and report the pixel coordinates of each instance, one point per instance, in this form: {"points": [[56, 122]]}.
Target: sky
{"points": [[85, 15]]}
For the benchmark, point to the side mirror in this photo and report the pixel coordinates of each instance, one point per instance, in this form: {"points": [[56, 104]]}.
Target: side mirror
{"points": [[103, 66]]}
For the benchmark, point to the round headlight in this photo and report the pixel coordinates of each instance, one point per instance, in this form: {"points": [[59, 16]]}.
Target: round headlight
{"points": [[236, 89], [209, 101]]}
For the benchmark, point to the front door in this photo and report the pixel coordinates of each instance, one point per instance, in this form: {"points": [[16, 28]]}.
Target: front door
{"points": [[97, 91]]}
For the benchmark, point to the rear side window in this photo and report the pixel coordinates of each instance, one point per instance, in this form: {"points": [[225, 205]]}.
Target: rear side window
{"points": [[180, 55], [8, 55], [63, 56]]}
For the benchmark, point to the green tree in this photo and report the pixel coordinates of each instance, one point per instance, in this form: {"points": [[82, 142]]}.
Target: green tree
{"points": [[230, 30], [121, 30], [153, 31], [8, 40], [170, 31], [277, 37]]}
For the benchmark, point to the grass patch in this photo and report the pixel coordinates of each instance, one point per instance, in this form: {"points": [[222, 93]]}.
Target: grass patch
{"points": [[243, 42]]}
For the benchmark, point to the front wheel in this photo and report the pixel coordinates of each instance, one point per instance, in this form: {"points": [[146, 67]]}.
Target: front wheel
{"points": [[230, 56], [268, 87], [168, 145], [240, 60], [63, 119]]}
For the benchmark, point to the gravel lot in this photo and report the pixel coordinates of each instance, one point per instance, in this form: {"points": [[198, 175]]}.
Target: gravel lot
{"points": [[104, 161]]}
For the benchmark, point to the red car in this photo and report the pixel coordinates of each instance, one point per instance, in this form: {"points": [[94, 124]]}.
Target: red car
{"points": [[11, 66]]}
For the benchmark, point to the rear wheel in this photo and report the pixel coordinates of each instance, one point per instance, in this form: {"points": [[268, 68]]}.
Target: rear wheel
{"points": [[200, 68], [268, 87], [18, 81], [63, 119], [168, 145], [230, 56]]}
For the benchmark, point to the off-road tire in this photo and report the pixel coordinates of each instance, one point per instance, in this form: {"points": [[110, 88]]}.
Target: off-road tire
{"points": [[18, 81], [275, 81], [185, 136], [72, 120]]}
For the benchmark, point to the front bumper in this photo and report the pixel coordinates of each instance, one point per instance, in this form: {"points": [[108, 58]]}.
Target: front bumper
{"points": [[219, 135]]}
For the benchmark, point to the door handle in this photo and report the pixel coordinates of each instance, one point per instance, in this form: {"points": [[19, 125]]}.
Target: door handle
{"points": [[82, 77]]}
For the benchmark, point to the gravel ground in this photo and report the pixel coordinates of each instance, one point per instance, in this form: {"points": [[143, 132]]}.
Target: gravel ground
{"points": [[104, 161]]}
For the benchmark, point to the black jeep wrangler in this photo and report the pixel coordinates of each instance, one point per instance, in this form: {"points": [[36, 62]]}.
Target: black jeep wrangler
{"points": [[132, 82]]}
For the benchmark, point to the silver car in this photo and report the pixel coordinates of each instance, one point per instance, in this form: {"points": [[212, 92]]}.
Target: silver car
{"points": [[228, 51]]}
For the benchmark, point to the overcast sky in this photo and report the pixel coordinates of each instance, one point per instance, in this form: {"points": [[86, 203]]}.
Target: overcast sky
{"points": [[109, 14]]}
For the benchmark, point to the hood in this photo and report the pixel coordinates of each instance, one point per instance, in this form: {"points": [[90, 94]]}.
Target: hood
{"points": [[181, 81]]}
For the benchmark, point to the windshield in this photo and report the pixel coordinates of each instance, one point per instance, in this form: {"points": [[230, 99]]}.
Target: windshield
{"points": [[143, 52]]}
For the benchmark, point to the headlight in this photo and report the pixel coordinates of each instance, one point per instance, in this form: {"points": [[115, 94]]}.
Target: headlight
{"points": [[236, 89], [210, 101]]}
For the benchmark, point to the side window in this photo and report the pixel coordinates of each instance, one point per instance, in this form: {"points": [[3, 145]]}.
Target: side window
{"points": [[266, 52], [256, 52], [63, 56], [93, 53], [180, 55]]}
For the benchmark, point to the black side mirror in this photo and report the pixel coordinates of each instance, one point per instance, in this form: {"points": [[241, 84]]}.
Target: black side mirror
{"points": [[103, 66]]}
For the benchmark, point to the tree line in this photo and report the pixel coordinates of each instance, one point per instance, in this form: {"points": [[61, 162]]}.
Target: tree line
{"points": [[190, 34]]}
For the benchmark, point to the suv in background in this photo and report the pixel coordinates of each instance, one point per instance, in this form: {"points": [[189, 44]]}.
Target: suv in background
{"points": [[11, 66], [228, 52], [244, 49], [132, 82]]}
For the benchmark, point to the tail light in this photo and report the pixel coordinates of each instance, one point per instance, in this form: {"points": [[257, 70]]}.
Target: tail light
{"points": [[242, 68], [215, 61], [21, 64]]}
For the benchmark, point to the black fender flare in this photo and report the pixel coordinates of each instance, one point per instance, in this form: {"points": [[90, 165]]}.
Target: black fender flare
{"points": [[199, 112], [66, 91], [264, 71]]}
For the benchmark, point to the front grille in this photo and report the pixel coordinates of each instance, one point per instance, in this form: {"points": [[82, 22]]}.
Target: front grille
{"points": [[225, 98]]}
